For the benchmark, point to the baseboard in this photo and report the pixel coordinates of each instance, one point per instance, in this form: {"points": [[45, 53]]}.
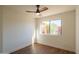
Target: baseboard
{"points": [[55, 47], [18, 48]]}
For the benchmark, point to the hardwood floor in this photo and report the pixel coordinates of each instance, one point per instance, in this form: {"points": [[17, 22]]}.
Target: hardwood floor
{"points": [[41, 49]]}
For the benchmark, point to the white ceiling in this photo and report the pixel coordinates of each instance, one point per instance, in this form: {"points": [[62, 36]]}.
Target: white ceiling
{"points": [[52, 9]]}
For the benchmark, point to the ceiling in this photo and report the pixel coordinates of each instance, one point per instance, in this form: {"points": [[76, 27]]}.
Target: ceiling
{"points": [[52, 9]]}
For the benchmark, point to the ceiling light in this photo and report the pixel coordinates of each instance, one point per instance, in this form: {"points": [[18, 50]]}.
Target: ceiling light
{"points": [[37, 14]]}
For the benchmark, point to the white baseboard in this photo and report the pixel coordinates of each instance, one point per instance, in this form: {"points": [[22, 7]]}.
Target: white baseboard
{"points": [[15, 49], [53, 46]]}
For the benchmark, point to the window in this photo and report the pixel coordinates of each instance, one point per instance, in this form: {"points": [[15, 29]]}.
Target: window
{"points": [[52, 27]]}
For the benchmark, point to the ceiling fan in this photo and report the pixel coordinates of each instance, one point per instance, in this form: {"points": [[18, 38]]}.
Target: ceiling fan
{"points": [[38, 10]]}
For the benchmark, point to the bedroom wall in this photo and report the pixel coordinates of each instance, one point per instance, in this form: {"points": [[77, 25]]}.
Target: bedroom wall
{"points": [[77, 29], [18, 29], [67, 39], [0, 29]]}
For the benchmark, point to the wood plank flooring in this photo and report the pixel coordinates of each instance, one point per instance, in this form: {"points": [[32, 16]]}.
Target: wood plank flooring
{"points": [[41, 49]]}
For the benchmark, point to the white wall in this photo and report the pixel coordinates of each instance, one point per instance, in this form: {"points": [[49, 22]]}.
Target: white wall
{"points": [[67, 39], [77, 29], [0, 29], [17, 29]]}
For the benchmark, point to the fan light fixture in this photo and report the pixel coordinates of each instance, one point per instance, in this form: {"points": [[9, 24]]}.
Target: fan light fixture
{"points": [[37, 14], [38, 10]]}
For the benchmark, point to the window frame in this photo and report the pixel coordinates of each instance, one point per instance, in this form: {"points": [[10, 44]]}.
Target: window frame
{"points": [[49, 21]]}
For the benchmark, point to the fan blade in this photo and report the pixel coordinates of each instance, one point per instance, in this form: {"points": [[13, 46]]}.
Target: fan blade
{"points": [[31, 11], [43, 9]]}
